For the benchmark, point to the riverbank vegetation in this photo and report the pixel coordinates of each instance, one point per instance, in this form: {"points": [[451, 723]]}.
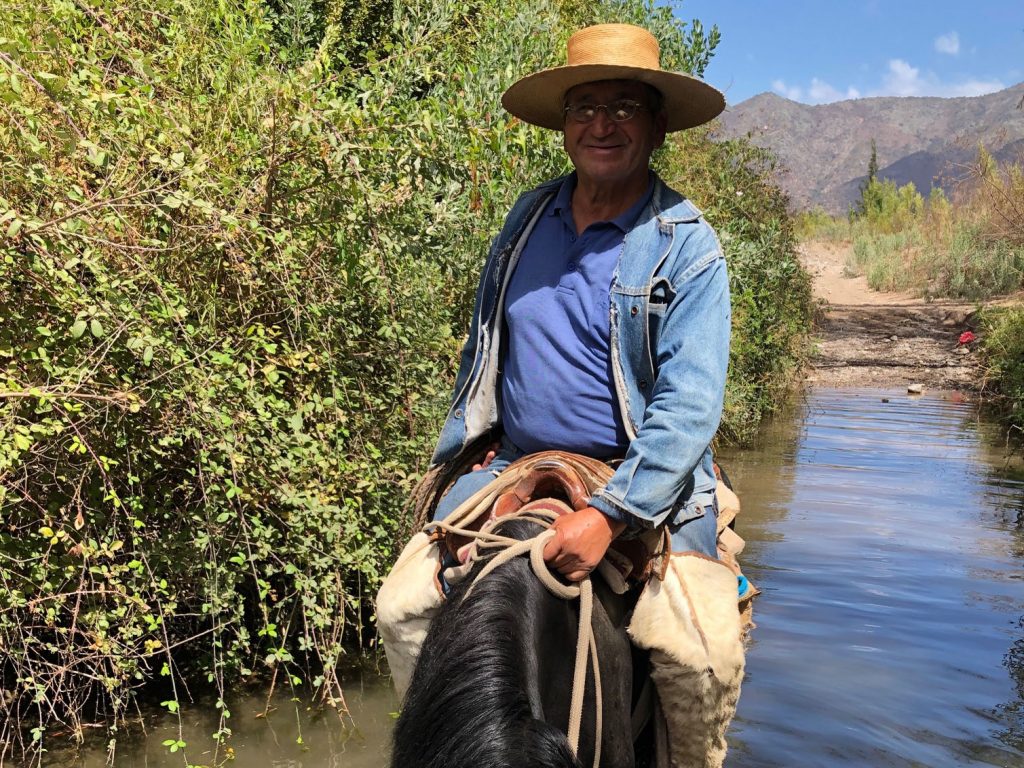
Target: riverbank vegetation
{"points": [[968, 247], [238, 249]]}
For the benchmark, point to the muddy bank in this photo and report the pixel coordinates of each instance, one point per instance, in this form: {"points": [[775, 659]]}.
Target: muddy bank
{"points": [[868, 339]]}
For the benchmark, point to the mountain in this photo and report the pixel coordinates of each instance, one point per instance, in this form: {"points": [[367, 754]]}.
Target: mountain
{"points": [[824, 149]]}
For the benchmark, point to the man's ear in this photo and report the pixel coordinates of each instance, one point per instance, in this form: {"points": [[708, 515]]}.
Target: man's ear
{"points": [[660, 127]]}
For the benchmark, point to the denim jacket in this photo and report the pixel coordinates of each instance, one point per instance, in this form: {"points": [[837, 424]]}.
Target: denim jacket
{"points": [[669, 321]]}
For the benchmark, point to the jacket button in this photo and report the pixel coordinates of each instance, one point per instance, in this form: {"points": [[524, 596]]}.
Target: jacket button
{"points": [[458, 413], [643, 383], [633, 310]]}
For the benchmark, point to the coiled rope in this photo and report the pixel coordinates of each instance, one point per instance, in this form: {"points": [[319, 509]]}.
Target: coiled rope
{"points": [[501, 550]]}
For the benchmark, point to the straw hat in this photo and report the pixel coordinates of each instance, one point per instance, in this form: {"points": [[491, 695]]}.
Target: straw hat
{"points": [[612, 52]]}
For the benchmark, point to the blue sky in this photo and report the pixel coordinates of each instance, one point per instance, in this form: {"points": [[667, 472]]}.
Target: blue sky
{"points": [[826, 50]]}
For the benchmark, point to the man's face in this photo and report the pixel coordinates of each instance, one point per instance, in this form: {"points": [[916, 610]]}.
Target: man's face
{"points": [[603, 151]]}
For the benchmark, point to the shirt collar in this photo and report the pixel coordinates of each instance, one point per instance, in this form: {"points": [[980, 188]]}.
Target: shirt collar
{"points": [[562, 205]]}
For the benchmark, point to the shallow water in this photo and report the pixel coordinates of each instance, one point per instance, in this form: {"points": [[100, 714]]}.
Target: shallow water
{"points": [[888, 538], [888, 541]]}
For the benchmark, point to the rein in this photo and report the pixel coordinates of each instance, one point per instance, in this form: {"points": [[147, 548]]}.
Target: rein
{"points": [[506, 549]]}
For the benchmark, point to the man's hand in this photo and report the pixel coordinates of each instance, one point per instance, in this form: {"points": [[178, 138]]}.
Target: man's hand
{"points": [[485, 462], [581, 539]]}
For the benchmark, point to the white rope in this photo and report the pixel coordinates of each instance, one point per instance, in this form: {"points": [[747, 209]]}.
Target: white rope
{"points": [[586, 645]]}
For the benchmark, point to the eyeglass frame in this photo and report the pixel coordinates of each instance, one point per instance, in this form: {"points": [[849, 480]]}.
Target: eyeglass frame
{"points": [[637, 106]]}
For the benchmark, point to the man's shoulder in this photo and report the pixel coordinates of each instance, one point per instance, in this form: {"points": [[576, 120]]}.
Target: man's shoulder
{"points": [[695, 244], [530, 198]]}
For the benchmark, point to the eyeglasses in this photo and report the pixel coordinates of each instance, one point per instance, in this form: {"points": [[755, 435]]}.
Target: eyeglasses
{"points": [[618, 111]]}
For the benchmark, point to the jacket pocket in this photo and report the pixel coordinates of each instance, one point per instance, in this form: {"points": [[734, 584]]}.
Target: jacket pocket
{"points": [[659, 298]]}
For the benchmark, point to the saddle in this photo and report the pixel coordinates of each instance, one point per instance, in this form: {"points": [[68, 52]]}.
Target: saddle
{"points": [[559, 482]]}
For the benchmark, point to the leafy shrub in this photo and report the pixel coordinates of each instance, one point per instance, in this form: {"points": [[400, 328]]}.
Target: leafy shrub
{"points": [[888, 207], [886, 260], [819, 224], [771, 292], [1003, 349]]}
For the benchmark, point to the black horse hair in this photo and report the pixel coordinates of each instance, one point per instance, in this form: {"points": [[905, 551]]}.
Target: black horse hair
{"points": [[468, 705]]}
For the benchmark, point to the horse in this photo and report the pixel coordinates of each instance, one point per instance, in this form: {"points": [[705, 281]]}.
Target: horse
{"points": [[493, 682]]}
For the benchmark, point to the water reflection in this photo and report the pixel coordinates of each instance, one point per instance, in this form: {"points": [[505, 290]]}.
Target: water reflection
{"points": [[892, 590], [290, 735], [888, 540]]}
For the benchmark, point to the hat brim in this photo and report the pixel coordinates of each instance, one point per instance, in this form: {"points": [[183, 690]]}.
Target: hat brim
{"points": [[537, 98]]}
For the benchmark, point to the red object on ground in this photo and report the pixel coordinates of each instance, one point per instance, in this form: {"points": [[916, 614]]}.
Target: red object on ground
{"points": [[967, 337]]}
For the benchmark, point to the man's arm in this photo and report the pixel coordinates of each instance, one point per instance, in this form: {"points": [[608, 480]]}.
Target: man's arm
{"points": [[682, 416], [692, 356]]}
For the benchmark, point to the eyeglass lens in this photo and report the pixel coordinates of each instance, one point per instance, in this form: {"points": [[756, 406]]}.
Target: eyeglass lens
{"points": [[618, 111]]}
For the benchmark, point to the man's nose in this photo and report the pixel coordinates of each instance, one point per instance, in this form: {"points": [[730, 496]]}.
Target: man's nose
{"points": [[603, 125]]}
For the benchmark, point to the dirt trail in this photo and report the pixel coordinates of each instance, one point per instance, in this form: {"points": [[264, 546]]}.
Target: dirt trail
{"points": [[886, 340]]}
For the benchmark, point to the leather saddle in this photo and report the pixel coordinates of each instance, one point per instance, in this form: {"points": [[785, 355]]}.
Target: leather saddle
{"points": [[558, 481]]}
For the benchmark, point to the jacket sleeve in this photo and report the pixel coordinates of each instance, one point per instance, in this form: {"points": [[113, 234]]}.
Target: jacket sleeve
{"points": [[685, 407]]}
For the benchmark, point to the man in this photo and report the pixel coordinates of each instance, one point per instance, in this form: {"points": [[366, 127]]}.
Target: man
{"points": [[601, 327], [608, 252]]}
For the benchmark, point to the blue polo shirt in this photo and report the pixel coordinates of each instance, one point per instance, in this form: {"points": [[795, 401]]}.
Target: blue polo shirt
{"points": [[557, 389]]}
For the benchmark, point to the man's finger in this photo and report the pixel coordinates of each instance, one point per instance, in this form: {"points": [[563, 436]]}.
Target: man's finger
{"points": [[576, 575], [565, 562], [554, 547], [488, 458]]}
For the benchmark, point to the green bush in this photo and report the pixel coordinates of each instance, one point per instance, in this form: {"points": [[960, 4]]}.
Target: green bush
{"points": [[818, 224], [971, 248], [974, 267], [888, 207], [771, 292], [1003, 350], [886, 260], [238, 248]]}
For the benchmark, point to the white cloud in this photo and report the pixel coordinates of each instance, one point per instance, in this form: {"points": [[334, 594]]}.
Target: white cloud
{"points": [[821, 92], [972, 88], [902, 79], [793, 93], [818, 92], [948, 43]]}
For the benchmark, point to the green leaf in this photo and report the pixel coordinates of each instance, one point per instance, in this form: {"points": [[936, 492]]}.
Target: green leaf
{"points": [[78, 328], [15, 227], [96, 328], [147, 355]]}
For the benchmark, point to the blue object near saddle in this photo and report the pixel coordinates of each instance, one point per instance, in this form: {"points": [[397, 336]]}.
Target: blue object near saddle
{"points": [[742, 584]]}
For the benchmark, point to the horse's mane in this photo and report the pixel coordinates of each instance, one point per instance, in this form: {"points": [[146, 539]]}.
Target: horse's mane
{"points": [[468, 703]]}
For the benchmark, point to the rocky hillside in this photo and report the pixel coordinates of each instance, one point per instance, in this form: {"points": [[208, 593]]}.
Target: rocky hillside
{"points": [[825, 148]]}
